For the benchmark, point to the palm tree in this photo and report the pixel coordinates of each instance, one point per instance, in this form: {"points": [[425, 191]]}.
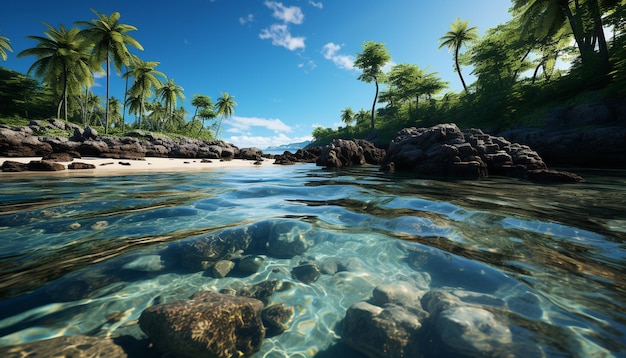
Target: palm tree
{"points": [[109, 39], [5, 45], [371, 62], [169, 92], [201, 101], [225, 107], [206, 113], [115, 108], [145, 80], [62, 61], [133, 59], [458, 36], [347, 116]]}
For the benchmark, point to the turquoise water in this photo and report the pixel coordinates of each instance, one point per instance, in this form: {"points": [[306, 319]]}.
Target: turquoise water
{"points": [[85, 255]]}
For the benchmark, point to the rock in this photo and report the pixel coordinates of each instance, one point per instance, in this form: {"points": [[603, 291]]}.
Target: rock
{"points": [[208, 324], [79, 165], [401, 293], [388, 331], [90, 133], [59, 157], [12, 166], [250, 153], [553, 176], [260, 291], [472, 331], [222, 268], [148, 263], [251, 263], [275, 318], [45, 165], [307, 272], [288, 239], [66, 346], [341, 153]]}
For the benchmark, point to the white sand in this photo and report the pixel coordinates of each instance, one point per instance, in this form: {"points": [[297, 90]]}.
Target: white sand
{"points": [[107, 166]]}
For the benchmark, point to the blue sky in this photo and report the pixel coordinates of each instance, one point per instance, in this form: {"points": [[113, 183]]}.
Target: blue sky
{"points": [[288, 63]]}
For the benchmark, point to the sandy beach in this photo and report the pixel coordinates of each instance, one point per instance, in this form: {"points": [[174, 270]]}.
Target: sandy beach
{"points": [[107, 166]]}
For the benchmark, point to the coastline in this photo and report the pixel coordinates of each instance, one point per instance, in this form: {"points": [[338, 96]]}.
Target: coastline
{"points": [[108, 166]]}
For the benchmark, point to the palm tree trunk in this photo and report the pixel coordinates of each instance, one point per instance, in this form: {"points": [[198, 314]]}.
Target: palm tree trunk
{"points": [[458, 68], [106, 105], [374, 104]]}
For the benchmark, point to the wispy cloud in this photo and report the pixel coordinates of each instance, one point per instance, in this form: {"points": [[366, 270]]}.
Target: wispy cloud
{"points": [[330, 52], [246, 141], [318, 5], [243, 124], [288, 14], [280, 36], [247, 19]]}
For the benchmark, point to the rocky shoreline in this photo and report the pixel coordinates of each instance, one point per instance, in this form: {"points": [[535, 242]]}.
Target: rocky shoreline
{"points": [[440, 151]]}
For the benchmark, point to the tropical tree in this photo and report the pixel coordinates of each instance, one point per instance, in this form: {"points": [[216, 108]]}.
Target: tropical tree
{"points": [[458, 36], [133, 60], [89, 105], [225, 108], [115, 113], [206, 113], [146, 79], [371, 62], [169, 92], [347, 116], [110, 40], [5, 45], [201, 101], [62, 62]]}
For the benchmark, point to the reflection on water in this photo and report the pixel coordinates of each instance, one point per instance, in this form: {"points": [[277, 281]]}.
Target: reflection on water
{"points": [[86, 255]]}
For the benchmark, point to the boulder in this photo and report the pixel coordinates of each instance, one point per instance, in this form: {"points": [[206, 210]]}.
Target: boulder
{"points": [[45, 165], [208, 324], [66, 346], [275, 318], [79, 165], [13, 166], [59, 157], [287, 239], [307, 272], [250, 153], [341, 153]]}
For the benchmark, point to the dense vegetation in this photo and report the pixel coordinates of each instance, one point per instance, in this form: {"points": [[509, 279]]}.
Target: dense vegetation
{"points": [[515, 65], [66, 61]]}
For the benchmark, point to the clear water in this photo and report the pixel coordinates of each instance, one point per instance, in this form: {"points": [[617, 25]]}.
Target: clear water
{"points": [[80, 255]]}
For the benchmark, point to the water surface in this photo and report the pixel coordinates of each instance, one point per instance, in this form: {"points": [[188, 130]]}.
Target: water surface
{"points": [[83, 255]]}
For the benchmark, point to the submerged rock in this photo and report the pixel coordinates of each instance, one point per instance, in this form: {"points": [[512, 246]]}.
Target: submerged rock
{"points": [[275, 318], [306, 272], [67, 346], [208, 324]]}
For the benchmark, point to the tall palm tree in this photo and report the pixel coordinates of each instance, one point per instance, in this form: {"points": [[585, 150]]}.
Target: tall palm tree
{"points": [[204, 114], [458, 36], [201, 101], [145, 80], [226, 108], [169, 92], [62, 61], [110, 40], [371, 62], [133, 59], [5, 45], [115, 108]]}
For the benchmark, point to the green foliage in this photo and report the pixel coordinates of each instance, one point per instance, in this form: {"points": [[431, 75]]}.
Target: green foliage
{"points": [[371, 61], [5, 45]]}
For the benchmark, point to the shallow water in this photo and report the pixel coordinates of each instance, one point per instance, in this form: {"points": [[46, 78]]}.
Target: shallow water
{"points": [[84, 255]]}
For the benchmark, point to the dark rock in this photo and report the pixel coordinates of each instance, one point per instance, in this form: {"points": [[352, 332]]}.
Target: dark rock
{"points": [[553, 176], [208, 324], [288, 238], [307, 272], [250, 153], [66, 346], [79, 165], [260, 291], [45, 165], [250, 263], [275, 318], [90, 133], [389, 331], [401, 293], [59, 157], [12, 166]]}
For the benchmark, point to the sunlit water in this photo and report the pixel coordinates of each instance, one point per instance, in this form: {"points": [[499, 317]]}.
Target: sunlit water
{"points": [[80, 255]]}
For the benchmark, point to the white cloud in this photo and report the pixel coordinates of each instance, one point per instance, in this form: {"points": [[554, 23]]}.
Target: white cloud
{"points": [[329, 51], [291, 14], [318, 5], [247, 19], [280, 36], [246, 141], [243, 124]]}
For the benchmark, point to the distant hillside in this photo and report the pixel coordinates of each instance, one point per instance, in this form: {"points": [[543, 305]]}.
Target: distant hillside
{"points": [[292, 147]]}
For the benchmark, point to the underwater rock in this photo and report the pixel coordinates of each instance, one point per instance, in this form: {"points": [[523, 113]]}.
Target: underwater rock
{"points": [[472, 330], [200, 253], [261, 290], [401, 293], [388, 331], [251, 263], [208, 324], [288, 239], [307, 272], [275, 318], [222, 268], [67, 346]]}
